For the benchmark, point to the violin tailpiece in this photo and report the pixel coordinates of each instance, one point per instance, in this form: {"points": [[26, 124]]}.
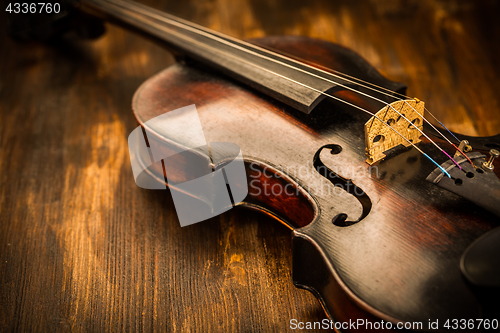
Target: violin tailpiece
{"points": [[379, 137]]}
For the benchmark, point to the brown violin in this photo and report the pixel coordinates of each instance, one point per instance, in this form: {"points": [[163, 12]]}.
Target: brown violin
{"points": [[393, 218]]}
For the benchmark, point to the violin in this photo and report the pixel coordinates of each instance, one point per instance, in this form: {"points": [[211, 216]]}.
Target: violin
{"points": [[383, 206]]}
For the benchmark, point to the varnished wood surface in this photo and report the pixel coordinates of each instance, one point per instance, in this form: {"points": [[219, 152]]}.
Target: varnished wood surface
{"points": [[83, 249]]}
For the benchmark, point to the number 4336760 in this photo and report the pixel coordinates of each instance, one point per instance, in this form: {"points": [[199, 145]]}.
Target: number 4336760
{"points": [[33, 8]]}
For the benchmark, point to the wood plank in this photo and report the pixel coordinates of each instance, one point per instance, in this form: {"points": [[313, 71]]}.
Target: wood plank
{"points": [[83, 249]]}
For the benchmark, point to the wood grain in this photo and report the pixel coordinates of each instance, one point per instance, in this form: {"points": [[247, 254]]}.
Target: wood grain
{"points": [[82, 248]]}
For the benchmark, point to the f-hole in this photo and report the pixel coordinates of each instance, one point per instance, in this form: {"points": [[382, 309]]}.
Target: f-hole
{"points": [[344, 183]]}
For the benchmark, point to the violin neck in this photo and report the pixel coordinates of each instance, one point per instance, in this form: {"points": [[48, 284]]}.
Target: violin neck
{"points": [[279, 77]]}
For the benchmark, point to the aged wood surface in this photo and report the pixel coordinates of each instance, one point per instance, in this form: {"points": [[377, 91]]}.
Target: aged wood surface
{"points": [[82, 248]]}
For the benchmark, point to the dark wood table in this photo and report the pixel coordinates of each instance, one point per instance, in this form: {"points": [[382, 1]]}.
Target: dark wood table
{"points": [[82, 248]]}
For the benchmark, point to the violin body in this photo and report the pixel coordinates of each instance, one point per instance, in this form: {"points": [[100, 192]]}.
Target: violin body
{"points": [[395, 256]]}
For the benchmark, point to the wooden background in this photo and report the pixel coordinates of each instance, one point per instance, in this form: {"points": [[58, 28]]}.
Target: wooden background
{"points": [[82, 248]]}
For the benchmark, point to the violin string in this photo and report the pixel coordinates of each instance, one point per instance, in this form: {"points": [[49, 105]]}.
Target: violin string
{"points": [[374, 87], [214, 34], [147, 13], [222, 38], [392, 93], [351, 78]]}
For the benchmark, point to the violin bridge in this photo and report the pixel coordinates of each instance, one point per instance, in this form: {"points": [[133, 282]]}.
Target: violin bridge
{"points": [[379, 137]]}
